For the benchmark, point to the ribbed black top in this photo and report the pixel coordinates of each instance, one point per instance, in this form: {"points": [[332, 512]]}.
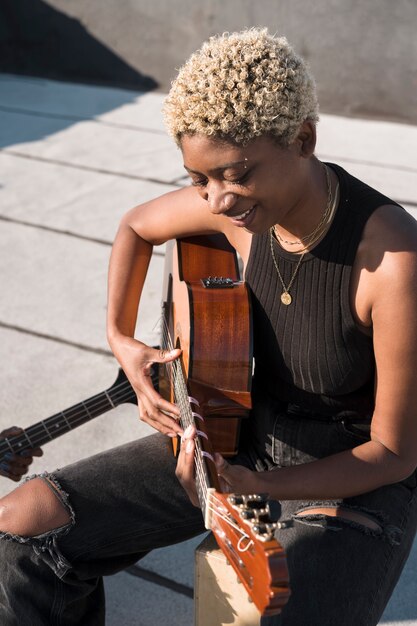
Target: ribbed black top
{"points": [[312, 353]]}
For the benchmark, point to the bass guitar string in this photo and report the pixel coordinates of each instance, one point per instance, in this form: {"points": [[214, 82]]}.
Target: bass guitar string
{"points": [[35, 434], [124, 391]]}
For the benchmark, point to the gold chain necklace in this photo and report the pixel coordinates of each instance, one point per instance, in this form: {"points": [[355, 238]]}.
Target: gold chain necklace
{"points": [[318, 234], [308, 240], [285, 296]]}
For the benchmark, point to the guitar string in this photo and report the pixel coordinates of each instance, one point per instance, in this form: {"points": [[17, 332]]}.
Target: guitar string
{"points": [[210, 505], [74, 414], [180, 389], [102, 402], [211, 501], [187, 417], [198, 459], [224, 517]]}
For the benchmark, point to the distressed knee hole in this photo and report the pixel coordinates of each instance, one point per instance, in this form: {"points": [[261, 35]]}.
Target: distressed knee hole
{"points": [[350, 516], [34, 508]]}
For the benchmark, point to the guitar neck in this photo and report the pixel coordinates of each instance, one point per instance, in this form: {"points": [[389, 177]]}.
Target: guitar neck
{"points": [[206, 477], [52, 427]]}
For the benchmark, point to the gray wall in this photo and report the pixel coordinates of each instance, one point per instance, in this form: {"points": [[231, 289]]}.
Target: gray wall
{"points": [[363, 53]]}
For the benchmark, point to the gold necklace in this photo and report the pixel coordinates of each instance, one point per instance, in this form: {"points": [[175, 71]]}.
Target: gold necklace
{"points": [[306, 239], [309, 239], [285, 296], [319, 233]]}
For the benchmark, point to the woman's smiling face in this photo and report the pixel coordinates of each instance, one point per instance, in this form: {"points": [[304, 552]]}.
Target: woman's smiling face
{"points": [[254, 186]]}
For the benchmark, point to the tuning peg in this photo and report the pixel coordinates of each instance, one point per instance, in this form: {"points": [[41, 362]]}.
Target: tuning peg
{"points": [[260, 528], [247, 514], [264, 531], [236, 500], [256, 503]]}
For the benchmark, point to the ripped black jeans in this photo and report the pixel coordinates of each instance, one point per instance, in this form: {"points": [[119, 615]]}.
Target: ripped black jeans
{"points": [[342, 572], [127, 501]]}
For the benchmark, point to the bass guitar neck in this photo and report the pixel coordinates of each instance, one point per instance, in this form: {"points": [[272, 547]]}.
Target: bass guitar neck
{"points": [[63, 422]]}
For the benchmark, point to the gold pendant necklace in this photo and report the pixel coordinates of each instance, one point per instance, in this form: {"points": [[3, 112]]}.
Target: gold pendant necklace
{"points": [[308, 240], [285, 296]]}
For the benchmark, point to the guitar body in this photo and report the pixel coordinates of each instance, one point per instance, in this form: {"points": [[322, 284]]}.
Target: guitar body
{"points": [[212, 326], [210, 321]]}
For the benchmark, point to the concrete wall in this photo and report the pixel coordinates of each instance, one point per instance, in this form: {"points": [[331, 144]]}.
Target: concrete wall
{"points": [[363, 53]]}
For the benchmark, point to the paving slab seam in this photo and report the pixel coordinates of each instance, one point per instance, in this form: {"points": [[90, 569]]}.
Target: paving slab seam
{"points": [[80, 118], [86, 168], [67, 342], [388, 166], [67, 233], [56, 231]]}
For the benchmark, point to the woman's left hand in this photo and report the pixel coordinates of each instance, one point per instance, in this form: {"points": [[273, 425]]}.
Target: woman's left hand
{"points": [[233, 478], [236, 478], [14, 466]]}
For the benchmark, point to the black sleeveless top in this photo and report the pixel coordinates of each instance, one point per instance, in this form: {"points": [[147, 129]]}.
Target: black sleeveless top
{"points": [[311, 353]]}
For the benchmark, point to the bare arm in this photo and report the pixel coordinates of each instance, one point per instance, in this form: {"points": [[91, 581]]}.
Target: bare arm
{"points": [[386, 295], [176, 214], [386, 299]]}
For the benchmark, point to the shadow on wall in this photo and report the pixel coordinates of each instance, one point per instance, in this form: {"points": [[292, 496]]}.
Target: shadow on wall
{"points": [[38, 40], [32, 108]]}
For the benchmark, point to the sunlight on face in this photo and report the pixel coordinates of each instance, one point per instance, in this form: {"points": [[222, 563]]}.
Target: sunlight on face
{"points": [[252, 185]]}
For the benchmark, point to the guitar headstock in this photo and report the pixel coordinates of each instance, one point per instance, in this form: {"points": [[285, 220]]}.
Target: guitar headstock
{"points": [[244, 531]]}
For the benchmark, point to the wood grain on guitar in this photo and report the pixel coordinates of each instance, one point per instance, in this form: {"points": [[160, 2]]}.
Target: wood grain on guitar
{"points": [[207, 315]]}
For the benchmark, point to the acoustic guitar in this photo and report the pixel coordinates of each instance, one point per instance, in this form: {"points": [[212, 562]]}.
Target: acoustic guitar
{"points": [[206, 313]]}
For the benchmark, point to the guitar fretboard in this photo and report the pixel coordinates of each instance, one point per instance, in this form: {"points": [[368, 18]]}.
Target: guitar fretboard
{"points": [[202, 479], [69, 419]]}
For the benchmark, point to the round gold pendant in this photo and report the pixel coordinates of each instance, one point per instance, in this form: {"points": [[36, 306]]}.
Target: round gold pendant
{"points": [[286, 298]]}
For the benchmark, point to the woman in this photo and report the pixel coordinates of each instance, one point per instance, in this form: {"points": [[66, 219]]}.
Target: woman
{"points": [[333, 434]]}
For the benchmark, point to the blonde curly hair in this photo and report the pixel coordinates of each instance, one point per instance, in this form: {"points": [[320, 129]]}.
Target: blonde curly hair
{"points": [[239, 86]]}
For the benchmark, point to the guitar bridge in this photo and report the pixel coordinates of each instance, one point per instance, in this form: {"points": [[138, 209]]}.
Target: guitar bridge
{"points": [[217, 282]]}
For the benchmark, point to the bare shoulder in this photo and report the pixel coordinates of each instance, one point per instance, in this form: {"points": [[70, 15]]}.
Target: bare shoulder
{"points": [[385, 268], [389, 252], [390, 227], [389, 241], [179, 213]]}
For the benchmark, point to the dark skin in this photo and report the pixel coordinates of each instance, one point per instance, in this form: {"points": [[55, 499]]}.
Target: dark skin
{"points": [[383, 278], [239, 190], [14, 466]]}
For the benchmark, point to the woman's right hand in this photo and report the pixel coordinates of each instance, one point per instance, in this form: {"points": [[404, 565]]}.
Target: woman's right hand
{"points": [[136, 359]]}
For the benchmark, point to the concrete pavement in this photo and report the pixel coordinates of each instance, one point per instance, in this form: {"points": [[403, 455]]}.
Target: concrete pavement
{"points": [[73, 159]]}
